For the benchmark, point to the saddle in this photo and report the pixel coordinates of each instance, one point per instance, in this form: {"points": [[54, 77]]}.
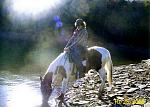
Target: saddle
{"points": [[83, 55]]}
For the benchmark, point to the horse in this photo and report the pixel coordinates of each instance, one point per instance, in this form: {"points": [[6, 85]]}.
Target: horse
{"points": [[60, 70]]}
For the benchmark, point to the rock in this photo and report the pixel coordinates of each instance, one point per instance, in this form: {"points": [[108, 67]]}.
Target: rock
{"points": [[75, 85], [119, 83], [132, 81], [132, 90], [142, 86], [111, 95], [133, 85], [147, 105], [129, 95], [121, 92], [82, 102], [138, 70], [104, 106], [122, 77], [136, 106], [148, 89], [115, 90], [115, 76], [108, 89], [93, 92], [126, 87], [120, 98]]}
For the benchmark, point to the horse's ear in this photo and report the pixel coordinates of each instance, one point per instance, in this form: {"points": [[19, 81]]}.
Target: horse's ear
{"points": [[41, 78]]}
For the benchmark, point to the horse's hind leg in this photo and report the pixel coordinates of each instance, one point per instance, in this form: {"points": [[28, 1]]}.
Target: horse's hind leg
{"points": [[109, 68], [102, 75]]}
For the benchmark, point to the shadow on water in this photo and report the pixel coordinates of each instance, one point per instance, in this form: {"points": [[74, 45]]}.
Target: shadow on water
{"points": [[21, 91]]}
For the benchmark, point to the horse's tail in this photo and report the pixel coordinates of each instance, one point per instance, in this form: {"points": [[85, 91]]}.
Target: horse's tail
{"points": [[109, 67]]}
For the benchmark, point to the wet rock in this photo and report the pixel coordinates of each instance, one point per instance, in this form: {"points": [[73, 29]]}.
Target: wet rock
{"points": [[147, 105], [148, 89], [126, 87], [75, 85], [112, 95], [121, 92], [115, 90], [119, 83], [132, 90], [138, 70], [136, 106], [131, 81], [120, 98], [141, 86], [80, 102]]}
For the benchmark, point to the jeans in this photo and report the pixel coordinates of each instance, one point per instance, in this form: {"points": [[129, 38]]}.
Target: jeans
{"points": [[75, 55]]}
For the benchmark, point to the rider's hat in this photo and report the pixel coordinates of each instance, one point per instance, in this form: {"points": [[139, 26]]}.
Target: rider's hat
{"points": [[80, 22]]}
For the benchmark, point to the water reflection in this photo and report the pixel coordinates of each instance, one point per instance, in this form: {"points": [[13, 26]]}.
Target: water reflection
{"points": [[20, 91], [24, 96]]}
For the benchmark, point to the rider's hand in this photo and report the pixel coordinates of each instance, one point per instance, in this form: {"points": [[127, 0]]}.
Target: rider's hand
{"points": [[66, 49]]}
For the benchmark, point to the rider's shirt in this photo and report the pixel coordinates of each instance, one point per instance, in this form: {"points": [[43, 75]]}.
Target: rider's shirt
{"points": [[78, 39]]}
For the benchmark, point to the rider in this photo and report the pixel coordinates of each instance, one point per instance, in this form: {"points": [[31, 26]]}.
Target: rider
{"points": [[77, 45]]}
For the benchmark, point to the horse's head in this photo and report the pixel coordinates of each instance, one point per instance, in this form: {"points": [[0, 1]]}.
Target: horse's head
{"points": [[46, 88]]}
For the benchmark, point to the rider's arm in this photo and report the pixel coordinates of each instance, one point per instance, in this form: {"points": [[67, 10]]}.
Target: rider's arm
{"points": [[69, 42], [82, 37]]}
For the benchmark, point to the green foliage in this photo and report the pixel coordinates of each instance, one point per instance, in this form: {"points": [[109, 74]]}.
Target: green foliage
{"points": [[117, 21]]}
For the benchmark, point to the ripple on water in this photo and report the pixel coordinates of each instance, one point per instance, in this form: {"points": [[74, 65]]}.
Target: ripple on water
{"points": [[21, 91]]}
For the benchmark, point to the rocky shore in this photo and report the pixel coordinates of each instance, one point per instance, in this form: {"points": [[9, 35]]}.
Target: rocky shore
{"points": [[131, 88]]}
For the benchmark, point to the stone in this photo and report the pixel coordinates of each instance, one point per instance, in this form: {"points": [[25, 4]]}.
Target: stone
{"points": [[108, 89], [147, 104], [132, 90], [111, 95], [104, 106], [119, 83], [129, 81], [115, 90], [142, 86], [115, 76], [136, 106], [147, 89], [138, 70], [120, 98], [82, 102], [121, 92], [126, 87], [75, 85]]}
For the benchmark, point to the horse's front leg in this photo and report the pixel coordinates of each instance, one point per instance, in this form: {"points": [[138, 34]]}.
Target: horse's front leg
{"points": [[102, 75], [64, 89]]}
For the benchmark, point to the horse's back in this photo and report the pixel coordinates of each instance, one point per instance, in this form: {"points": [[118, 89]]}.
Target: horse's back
{"points": [[103, 51]]}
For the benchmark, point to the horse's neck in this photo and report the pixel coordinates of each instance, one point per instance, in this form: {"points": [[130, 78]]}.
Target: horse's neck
{"points": [[59, 61]]}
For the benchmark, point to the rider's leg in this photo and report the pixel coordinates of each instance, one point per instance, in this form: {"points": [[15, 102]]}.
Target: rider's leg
{"points": [[78, 61]]}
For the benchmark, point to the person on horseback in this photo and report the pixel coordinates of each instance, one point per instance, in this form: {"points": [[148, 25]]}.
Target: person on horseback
{"points": [[77, 45]]}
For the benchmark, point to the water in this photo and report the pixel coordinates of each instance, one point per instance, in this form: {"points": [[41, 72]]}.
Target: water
{"points": [[21, 91]]}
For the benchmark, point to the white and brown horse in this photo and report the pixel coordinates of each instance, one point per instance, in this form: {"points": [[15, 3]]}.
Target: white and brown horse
{"points": [[61, 68]]}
